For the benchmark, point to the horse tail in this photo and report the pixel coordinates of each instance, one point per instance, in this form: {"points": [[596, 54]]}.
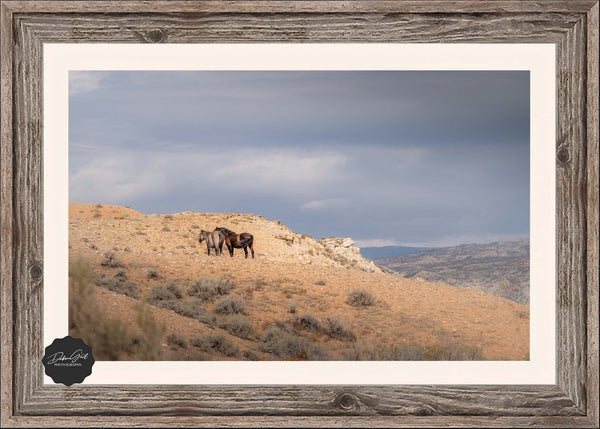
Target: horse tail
{"points": [[246, 241]]}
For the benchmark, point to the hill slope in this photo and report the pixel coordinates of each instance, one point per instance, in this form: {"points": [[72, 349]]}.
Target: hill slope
{"points": [[500, 268], [295, 295]]}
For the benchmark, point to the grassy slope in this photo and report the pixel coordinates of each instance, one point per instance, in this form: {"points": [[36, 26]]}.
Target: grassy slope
{"points": [[286, 274]]}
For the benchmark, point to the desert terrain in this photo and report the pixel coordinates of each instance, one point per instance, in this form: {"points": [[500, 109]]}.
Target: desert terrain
{"points": [[300, 298], [500, 268]]}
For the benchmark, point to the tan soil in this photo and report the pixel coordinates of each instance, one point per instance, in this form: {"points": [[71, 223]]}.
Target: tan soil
{"points": [[285, 270]]}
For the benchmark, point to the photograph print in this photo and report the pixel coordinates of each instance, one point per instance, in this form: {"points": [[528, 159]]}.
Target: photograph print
{"points": [[300, 215]]}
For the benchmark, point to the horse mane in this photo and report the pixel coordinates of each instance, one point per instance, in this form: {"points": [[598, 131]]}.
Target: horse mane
{"points": [[225, 231]]}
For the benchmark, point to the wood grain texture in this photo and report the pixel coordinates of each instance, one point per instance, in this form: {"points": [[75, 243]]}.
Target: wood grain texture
{"points": [[306, 400], [258, 6], [593, 209], [6, 212], [571, 222], [303, 27], [571, 25], [27, 217], [304, 421]]}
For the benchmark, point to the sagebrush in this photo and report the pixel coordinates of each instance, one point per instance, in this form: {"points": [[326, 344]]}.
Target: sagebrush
{"points": [[208, 288], [360, 298]]}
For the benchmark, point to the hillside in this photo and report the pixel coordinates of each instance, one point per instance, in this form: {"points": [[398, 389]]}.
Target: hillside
{"points": [[294, 301], [500, 268]]}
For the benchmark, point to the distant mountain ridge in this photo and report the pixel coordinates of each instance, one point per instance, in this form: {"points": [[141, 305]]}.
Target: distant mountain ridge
{"points": [[389, 251], [500, 268]]}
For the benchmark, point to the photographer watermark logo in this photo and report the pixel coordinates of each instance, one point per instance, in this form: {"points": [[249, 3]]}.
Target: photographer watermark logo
{"points": [[68, 360]]}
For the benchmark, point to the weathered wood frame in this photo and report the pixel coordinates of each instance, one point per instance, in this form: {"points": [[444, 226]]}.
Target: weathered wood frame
{"points": [[571, 25]]}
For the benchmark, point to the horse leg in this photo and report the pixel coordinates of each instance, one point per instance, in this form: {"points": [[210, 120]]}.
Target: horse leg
{"points": [[229, 247], [208, 248], [252, 249], [246, 251]]}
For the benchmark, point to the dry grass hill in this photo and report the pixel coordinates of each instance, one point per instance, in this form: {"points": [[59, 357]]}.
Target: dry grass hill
{"points": [[142, 287]]}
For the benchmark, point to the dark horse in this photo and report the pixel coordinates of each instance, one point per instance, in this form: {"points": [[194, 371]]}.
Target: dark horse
{"points": [[237, 241]]}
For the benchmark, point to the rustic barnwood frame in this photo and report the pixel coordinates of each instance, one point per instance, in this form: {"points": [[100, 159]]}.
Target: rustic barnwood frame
{"points": [[571, 25]]}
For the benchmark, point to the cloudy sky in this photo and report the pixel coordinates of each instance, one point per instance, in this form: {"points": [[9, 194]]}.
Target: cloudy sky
{"points": [[384, 157]]}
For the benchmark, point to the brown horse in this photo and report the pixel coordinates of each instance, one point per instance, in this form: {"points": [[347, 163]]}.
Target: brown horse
{"points": [[213, 239], [237, 241]]}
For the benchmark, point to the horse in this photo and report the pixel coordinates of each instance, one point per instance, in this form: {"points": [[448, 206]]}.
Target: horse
{"points": [[237, 241], [213, 239]]}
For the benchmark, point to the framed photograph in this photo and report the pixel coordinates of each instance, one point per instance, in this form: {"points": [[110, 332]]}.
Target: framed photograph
{"points": [[299, 213]]}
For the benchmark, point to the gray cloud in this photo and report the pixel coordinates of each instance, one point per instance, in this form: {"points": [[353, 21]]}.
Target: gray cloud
{"points": [[383, 157]]}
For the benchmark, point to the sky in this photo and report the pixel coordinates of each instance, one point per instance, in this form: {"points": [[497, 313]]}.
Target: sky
{"points": [[434, 158]]}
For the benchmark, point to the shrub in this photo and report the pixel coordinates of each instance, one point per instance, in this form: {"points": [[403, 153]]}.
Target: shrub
{"points": [[336, 328], [159, 294], [288, 346], [452, 351], [195, 355], [152, 273], [216, 343], [194, 226], [320, 282], [129, 288], [292, 307], [404, 352], [360, 298], [175, 354], [306, 322], [174, 289], [207, 288], [289, 291], [443, 351], [259, 284], [191, 308], [229, 305], [93, 246], [121, 274], [110, 260], [109, 338], [282, 344], [237, 325], [250, 355], [176, 341], [109, 283], [148, 345]]}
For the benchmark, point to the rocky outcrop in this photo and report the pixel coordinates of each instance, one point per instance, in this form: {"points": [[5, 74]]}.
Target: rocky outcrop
{"points": [[343, 251]]}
